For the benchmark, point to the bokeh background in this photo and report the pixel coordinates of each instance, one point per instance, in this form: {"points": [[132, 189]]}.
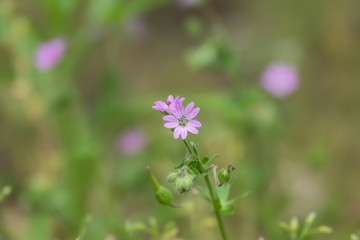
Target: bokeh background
{"points": [[78, 79]]}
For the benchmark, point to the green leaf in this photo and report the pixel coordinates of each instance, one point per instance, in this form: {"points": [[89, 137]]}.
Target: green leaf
{"points": [[170, 231], [193, 146], [194, 26], [201, 57], [204, 193], [223, 192], [244, 195], [195, 167], [187, 158], [227, 211], [227, 207], [182, 163], [154, 226], [207, 160]]}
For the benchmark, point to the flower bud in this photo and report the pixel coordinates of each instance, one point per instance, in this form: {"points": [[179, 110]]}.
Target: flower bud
{"points": [[6, 191], [163, 195], [294, 224], [172, 177], [179, 183], [324, 229], [310, 219], [224, 175], [284, 226], [188, 183], [354, 237]]}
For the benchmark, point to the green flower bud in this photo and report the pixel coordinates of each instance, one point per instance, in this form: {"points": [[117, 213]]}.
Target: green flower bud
{"points": [[294, 224], [354, 237], [172, 177], [163, 195], [324, 229], [179, 185], [188, 183], [224, 175], [284, 226], [5, 192], [310, 219]]}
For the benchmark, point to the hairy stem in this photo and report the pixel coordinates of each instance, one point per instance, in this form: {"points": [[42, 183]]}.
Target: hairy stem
{"points": [[213, 195], [216, 205]]}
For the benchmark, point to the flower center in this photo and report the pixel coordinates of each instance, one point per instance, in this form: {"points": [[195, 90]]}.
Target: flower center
{"points": [[168, 103], [182, 121]]}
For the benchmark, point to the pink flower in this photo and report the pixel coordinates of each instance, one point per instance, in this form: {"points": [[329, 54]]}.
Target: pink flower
{"points": [[182, 120], [48, 54], [131, 142], [280, 79], [170, 104]]}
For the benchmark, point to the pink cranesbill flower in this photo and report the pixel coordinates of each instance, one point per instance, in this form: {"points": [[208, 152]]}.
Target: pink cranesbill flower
{"points": [[48, 54], [182, 120], [167, 106], [280, 79]]}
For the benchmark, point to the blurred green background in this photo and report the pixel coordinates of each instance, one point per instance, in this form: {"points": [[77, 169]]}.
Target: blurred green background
{"points": [[75, 138]]}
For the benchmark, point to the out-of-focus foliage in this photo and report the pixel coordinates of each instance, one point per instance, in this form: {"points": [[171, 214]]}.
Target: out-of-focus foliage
{"points": [[75, 138]]}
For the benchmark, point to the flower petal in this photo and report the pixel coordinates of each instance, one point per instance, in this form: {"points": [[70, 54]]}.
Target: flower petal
{"points": [[170, 98], [192, 129], [194, 123], [177, 110], [177, 132], [193, 113], [171, 124], [170, 118], [189, 108], [160, 105], [183, 133]]}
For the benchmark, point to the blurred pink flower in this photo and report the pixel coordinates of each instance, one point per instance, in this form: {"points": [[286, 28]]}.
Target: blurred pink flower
{"points": [[187, 3], [136, 27], [131, 141], [280, 79], [48, 54]]}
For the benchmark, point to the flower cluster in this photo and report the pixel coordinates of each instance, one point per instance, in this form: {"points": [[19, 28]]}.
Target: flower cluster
{"points": [[177, 117]]}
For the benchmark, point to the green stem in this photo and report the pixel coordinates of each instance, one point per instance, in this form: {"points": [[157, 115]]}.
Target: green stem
{"points": [[187, 146], [216, 205], [214, 197]]}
